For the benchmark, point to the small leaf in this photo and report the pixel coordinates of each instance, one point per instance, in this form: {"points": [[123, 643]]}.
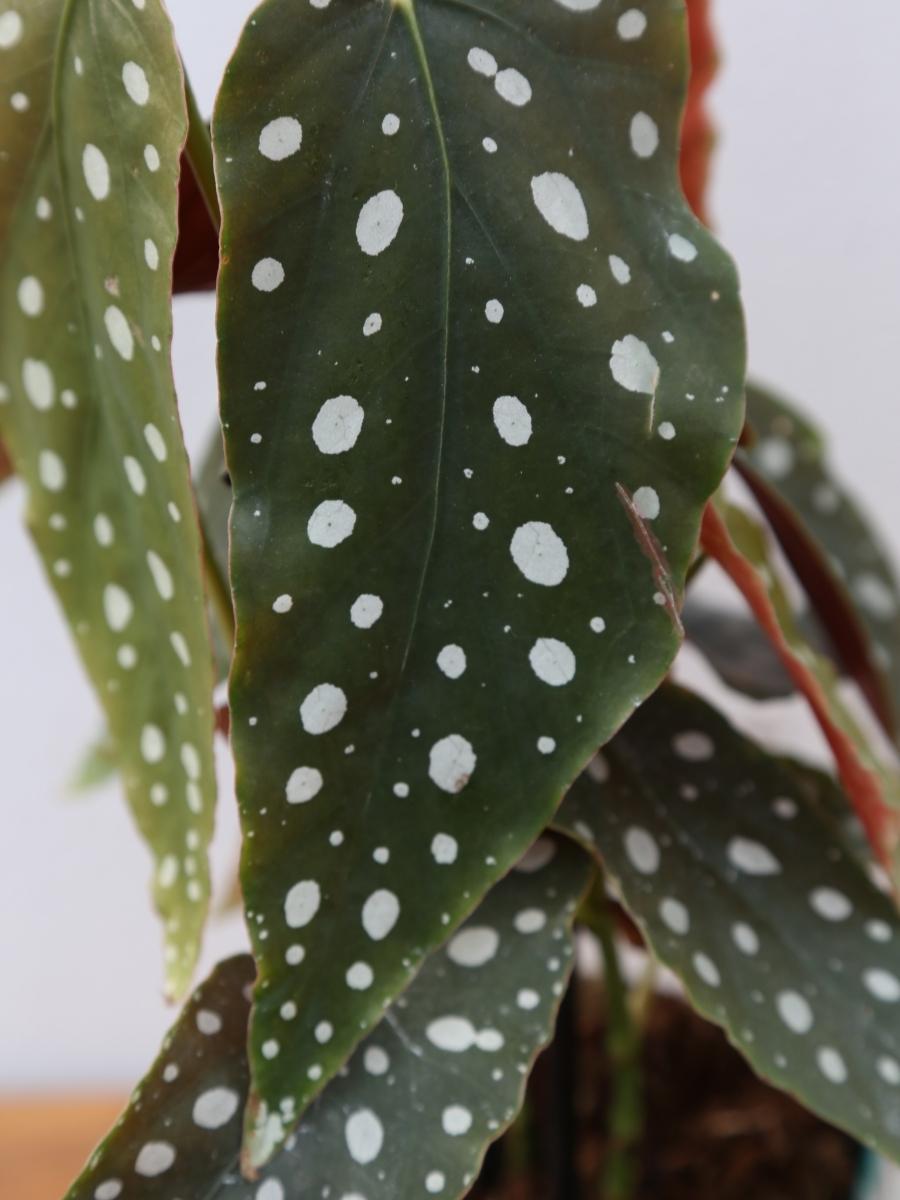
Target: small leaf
{"points": [[738, 650], [744, 883], [439, 1079], [841, 561], [99, 765], [88, 198], [480, 370]]}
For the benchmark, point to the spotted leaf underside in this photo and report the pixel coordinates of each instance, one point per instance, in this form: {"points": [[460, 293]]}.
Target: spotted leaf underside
{"points": [[862, 591], [93, 121], [481, 369], [435, 1082], [744, 880]]}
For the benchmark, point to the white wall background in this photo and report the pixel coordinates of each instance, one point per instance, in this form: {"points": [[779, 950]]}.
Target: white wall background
{"points": [[806, 197]]}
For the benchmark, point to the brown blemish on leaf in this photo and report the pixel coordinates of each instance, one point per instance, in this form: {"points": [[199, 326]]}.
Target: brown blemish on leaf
{"points": [[650, 547]]}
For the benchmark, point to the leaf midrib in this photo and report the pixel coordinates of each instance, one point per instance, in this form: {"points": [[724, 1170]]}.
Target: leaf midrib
{"points": [[407, 8]]}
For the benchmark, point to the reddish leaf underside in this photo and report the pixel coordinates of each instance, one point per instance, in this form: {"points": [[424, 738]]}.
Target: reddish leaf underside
{"points": [[827, 593], [698, 135], [862, 786], [197, 253]]}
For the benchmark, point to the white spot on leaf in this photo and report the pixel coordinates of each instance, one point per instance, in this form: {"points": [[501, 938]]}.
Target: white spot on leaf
{"points": [[379, 222], [215, 1108], [337, 425], [96, 171], [633, 366], [753, 858], [474, 946], [512, 86], [552, 661], [331, 523], [540, 554], [451, 762], [302, 903], [323, 709], [364, 1135], [281, 138], [513, 420], [561, 205]]}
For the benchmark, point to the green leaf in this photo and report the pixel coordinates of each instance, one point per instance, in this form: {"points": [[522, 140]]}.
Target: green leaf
{"points": [[480, 371], [737, 867], [439, 1079], [88, 197], [832, 545]]}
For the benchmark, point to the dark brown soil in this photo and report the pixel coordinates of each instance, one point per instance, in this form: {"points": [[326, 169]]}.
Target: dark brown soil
{"points": [[713, 1131]]}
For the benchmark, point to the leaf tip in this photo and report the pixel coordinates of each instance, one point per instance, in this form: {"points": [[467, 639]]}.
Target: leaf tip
{"points": [[264, 1134]]}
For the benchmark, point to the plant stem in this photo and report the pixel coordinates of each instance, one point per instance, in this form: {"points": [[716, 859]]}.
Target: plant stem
{"points": [[624, 1044], [200, 156]]}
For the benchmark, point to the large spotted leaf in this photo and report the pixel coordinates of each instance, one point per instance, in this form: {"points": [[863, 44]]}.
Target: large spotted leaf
{"points": [[740, 872], [440, 1078], [93, 120], [855, 590], [480, 370]]}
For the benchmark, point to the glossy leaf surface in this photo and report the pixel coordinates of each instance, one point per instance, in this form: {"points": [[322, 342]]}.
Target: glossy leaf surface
{"points": [[791, 456], [88, 195], [738, 870], [439, 1079], [480, 370]]}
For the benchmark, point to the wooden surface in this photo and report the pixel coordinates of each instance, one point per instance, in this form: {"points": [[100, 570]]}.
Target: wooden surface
{"points": [[45, 1141]]}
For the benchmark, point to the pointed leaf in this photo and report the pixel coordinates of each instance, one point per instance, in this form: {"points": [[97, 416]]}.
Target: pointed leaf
{"points": [[843, 564], [439, 1079], [88, 198], [468, 455], [744, 883]]}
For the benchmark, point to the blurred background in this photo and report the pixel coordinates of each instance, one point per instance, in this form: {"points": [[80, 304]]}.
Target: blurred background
{"points": [[805, 195]]}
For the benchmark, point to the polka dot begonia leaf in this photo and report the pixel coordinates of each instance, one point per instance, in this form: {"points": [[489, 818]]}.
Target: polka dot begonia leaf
{"points": [[739, 870], [480, 369], [88, 195], [863, 597], [438, 1080]]}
